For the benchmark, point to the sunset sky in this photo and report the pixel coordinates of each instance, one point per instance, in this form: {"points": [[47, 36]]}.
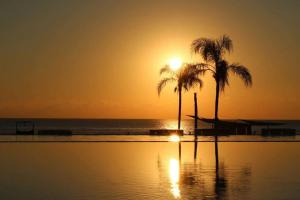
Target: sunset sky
{"points": [[101, 59]]}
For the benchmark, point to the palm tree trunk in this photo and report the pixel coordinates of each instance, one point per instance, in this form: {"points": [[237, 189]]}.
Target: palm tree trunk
{"points": [[179, 119], [179, 108], [216, 124], [195, 126], [217, 103], [196, 114]]}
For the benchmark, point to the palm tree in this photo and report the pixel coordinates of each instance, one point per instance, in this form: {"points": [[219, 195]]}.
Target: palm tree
{"points": [[185, 78], [213, 51]]}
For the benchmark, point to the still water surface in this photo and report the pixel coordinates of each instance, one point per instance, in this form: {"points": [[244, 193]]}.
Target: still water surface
{"points": [[149, 170]]}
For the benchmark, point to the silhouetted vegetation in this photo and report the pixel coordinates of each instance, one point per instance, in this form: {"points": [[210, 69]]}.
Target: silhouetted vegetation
{"points": [[185, 78], [212, 51]]}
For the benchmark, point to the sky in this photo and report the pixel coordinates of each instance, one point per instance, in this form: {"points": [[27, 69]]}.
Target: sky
{"points": [[101, 59]]}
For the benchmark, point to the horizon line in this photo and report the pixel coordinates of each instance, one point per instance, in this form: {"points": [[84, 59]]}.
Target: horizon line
{"points": [[100, 118]]}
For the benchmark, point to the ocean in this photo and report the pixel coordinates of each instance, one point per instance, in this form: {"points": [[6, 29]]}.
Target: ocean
{"points": [[116, 126]]}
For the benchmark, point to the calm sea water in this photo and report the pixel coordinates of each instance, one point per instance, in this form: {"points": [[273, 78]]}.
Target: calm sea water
{"points": [[149, 170], [115, 126]]}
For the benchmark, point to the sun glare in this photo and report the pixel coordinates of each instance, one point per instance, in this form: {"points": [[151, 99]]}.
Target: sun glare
{"points": [[174, 138], [175, 63]]}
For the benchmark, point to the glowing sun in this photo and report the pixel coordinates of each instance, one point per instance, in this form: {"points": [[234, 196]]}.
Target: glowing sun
{"points": [[175, 63]]}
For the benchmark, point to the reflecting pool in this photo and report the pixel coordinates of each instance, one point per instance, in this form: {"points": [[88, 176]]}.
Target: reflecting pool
{"points": [[149, 170]]}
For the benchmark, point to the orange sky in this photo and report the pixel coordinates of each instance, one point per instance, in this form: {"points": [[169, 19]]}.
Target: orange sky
{"points": [[101, 59]]}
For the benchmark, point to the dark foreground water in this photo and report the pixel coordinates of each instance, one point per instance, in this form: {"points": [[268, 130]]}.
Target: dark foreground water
{"points": [[148, 170]]}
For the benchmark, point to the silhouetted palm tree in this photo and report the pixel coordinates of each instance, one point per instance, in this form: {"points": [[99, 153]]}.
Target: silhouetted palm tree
{"points": [[213, 51], [185, 78]]}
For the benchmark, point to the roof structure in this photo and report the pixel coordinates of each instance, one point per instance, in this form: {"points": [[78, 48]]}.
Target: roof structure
{"points": [[239, 122]]}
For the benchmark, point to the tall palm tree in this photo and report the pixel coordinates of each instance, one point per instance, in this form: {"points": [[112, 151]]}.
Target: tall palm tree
{"points": [[213, 51], [185, 78]]}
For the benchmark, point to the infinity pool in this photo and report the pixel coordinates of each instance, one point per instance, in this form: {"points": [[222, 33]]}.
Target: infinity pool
{"points": [[149, 170]]}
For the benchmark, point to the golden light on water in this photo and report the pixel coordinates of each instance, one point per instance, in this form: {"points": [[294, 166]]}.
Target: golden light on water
{"points": [[170, 124], [174, 138], [175, 63], [174, 177]]}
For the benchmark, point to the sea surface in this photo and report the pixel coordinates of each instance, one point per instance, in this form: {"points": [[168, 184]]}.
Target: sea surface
{"points": [[117, 126], [149, 170]]}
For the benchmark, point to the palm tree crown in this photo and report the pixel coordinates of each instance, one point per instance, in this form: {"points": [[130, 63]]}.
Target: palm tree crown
{"points": [[213, 51], [185, 78]]}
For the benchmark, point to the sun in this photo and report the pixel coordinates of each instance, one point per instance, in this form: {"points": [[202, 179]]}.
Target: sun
{"points": [[175, 63]]}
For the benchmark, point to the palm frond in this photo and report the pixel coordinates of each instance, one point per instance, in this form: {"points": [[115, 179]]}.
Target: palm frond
{"points": [[223, 82], [205, 47], [197, 69], [225, 43], [166, 70], [189, 77], [203, 68], [221, 74], [242, 72], [163, 82], [185, 86], [195, 81], [175, 89], [186, 77], [212, 50]]}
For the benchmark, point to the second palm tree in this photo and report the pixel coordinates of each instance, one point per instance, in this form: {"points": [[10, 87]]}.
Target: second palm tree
{"points": [[185, 78]]}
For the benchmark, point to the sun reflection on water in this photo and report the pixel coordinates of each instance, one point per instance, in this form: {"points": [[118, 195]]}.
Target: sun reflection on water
{"points": [[174, 177], [170, 124], [174, 138]]}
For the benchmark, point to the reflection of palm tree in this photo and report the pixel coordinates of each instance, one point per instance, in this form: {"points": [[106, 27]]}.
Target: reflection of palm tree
{"points": [[185, 78], [212, 51], [199, 182], [198, 178], [221, 183]]}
